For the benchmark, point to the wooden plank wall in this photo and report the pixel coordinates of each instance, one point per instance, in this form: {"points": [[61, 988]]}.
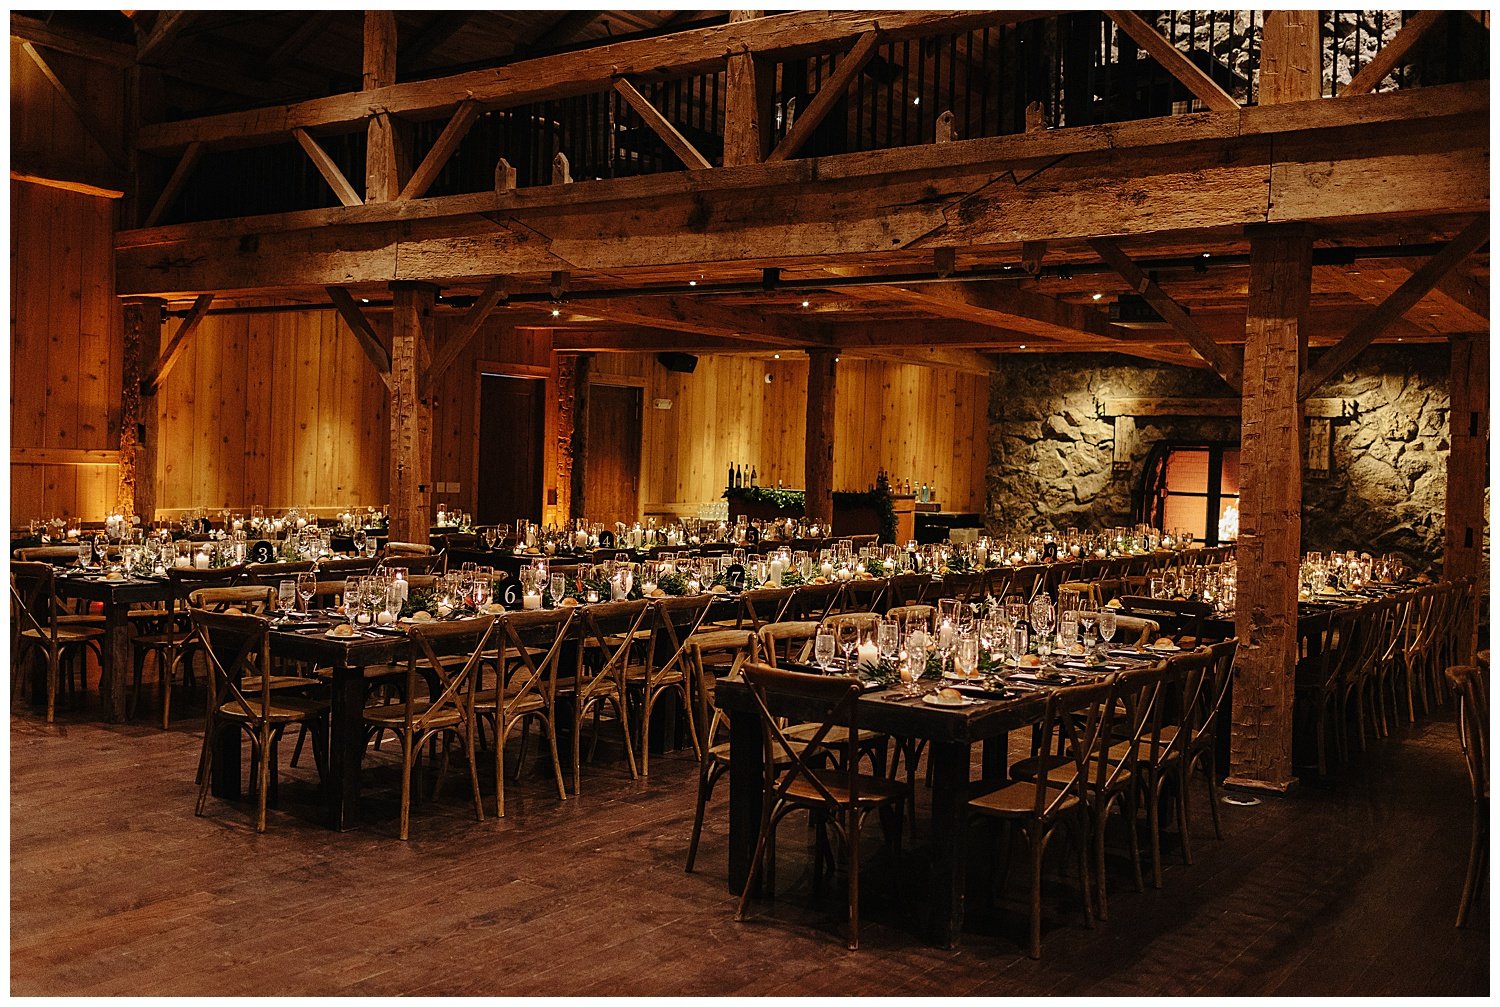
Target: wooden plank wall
{"points": [[43, 129], [276, 409], [917, 422], [65, 351]]}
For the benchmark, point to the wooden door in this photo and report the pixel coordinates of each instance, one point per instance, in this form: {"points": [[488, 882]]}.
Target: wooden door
{"points": [[511, 429], [612, 470]]}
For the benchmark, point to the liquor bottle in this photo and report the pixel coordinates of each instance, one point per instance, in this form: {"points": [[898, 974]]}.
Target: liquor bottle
{"points": [[729, 479], [739, 477], [752, 477]]}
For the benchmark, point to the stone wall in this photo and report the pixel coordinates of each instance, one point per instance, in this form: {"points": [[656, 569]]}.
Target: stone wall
{"points": [[1052, 449]]}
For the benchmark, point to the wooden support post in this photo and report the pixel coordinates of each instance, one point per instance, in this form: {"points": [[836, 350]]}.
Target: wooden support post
{"points": [[822, 387], [1270, 540], [583, 366], [1291, 58], [136, 492], [411, 415], [1468, 439], [746, 124], [382, 169]]}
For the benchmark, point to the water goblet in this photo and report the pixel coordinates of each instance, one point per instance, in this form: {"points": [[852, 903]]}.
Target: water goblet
{"points": [[286, 595], [823, 645]]}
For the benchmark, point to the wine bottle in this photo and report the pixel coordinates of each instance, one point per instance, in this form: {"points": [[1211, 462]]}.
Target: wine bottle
{"points": [[752, 477], [729, 479]]}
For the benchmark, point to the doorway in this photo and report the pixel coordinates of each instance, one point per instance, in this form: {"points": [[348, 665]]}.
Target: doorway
{"points": [[612, 472], [512, 418]]}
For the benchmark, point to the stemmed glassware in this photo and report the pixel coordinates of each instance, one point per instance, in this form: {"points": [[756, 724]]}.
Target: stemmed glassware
{"points": [[306, 582], [823, 645], [848, 642], [1086, 621], [1042, 616], [1107, 626], [286, 595]]}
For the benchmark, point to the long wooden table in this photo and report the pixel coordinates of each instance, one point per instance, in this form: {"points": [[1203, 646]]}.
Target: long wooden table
{"points": [[116, 596], [951, 734]]}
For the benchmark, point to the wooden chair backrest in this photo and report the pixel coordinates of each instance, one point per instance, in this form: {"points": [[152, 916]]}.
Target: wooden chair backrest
{"points": [[1209, 709], [672, 621], [864, 622], [814, 601], [833, 704], [272, 574], [517, 634], [449, 689], [908, 588], [864, 594], [963, 586], [331, 569], [1138, 705], [33, 593], [244, 642], [902, 613], [595, 625], [1473, 725], [394, 549], [57, 555], [1079, 717], [761, 605], [1145, 630], [425, 563], [257, 600], [791, 636]]}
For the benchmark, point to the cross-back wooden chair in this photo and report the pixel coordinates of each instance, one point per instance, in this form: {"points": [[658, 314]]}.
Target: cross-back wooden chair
{"points": [[840, 798], [528, 647], [908, 589], [785, 642], [272, 574], [966, 587], [174, 646], [394, 549], [1468, 683], [1190, 690], [447, 710], [38, 627], [414, 564], [240, 698], [864, 594], [668, 667], [607, 635], [1205, 713], [812, 602], [342, 569], [1079, 717], [713, 760]]}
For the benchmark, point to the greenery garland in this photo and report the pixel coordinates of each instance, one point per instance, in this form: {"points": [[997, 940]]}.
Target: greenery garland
{"points": [[795, 501]]}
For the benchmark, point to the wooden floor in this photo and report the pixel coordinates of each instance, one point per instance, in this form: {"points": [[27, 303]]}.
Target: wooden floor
{"points": [[116, 888]]}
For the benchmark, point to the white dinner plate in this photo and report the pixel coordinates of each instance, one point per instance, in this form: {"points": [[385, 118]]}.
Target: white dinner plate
{"points": [[933, 699]]}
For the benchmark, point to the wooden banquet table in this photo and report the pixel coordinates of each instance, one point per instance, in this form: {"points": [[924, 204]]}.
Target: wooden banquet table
{"points": [[951, 734], [116, 596]]}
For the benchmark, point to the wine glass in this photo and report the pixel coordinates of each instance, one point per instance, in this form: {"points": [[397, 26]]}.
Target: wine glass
{"points": [[1086, 621], [966, 656], [1042, 616], [393, 601], [306, 582], [557, 587], [360, 538], [888, 639], [913, 665], [848, 642], [286, 595], [1107, 626], [823, 645]]}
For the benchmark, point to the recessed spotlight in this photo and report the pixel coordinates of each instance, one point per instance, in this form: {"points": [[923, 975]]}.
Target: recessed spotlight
{"points": [[556, 312], [364, 300], [776, 356], [1023, 346], [1098, 297], [807, 304], [917, 100], [835, 359], [692, 283], [1205, 255]]}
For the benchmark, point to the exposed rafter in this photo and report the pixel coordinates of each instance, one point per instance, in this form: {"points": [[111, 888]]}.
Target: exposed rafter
{"points": [[158, 371]]}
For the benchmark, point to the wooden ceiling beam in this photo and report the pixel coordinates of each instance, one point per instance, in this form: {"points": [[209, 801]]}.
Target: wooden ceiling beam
{"points": [[492, 295], [662, 126], [413, 51], [1463, 292], [586, 71], [89, 47], [830, 93], [327, 167], [1223, 360], [575, 339], [1380, 157], [1173, 61], [169, 24], [309, 26], [1390, 54], [158, 371], [442, 151], [1393, 307], [687, 314], [562, 30], [364, 333], [86, 118]]}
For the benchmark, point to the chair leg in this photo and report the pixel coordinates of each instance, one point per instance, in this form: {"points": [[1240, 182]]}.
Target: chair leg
{"points": [[761, 841], [264, 778], [52, 660], [1213, 789], [407, 758], [500, 763], [1182, 815], [1153, 826], [297, 748], [551, 725], [578, 715], [205, 763], [1038, 847], [1132, 813], [619, 702], [1477, 855], [646, 728], [1080, 840], [1101, 879], [705, 791], [852, 834], [473, 774]]}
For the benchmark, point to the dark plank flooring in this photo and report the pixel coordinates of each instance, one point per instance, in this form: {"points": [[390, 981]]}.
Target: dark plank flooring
{"points": [[116, 888]]}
